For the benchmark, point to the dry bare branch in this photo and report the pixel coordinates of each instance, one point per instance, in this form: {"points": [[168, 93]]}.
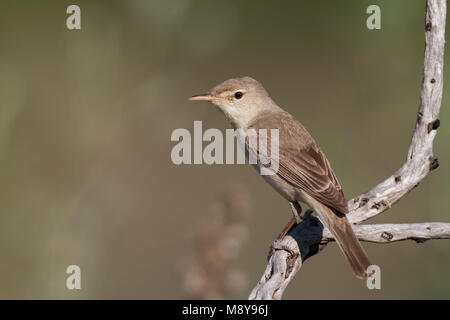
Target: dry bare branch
{"points": [[386, 233]]}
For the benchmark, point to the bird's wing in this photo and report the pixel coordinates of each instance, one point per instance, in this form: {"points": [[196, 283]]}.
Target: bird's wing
{"points": [[301, 162]]}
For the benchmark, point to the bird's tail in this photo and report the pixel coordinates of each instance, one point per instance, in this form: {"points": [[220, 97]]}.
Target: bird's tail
{"points": [[339, 226]]}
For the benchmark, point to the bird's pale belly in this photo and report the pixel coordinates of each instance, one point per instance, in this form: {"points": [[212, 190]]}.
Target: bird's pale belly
{"points": [[288, 191]]}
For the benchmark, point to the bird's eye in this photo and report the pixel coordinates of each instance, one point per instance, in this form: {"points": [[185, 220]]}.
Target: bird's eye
{"points": [[238, 94]]}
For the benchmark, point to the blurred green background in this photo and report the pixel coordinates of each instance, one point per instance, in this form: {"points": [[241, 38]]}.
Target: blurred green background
{"points": [[86, 118]]}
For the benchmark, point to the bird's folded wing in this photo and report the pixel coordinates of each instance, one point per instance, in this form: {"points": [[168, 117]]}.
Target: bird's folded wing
{"points": [[304, 165], [311, 172]]}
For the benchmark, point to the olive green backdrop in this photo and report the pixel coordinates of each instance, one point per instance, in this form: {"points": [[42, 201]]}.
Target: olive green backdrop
{"points": [[86, 118]]}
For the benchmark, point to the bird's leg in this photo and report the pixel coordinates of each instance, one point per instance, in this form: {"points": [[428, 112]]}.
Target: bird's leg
{"points": [[276, 244], [296, 211], [286, 229]]}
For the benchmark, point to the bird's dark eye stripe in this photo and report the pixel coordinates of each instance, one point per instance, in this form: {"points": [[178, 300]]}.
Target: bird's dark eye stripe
{"points": [[238, 94]]}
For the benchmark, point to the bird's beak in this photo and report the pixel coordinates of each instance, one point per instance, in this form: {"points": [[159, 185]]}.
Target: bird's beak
{"points": [[205, 97]]}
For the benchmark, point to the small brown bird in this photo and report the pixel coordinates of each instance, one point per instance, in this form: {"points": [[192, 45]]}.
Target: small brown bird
{"points": [[304, 173]]}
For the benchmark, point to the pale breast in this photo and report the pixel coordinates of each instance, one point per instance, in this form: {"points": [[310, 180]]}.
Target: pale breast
{"points": [[288, 191]]}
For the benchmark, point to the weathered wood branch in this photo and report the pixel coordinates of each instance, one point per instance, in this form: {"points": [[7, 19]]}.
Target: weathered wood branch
{"points": [[386, 233], [309, 237]]}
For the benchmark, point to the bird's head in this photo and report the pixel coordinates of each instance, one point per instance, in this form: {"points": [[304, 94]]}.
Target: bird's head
{"points": [[240, 99]]}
